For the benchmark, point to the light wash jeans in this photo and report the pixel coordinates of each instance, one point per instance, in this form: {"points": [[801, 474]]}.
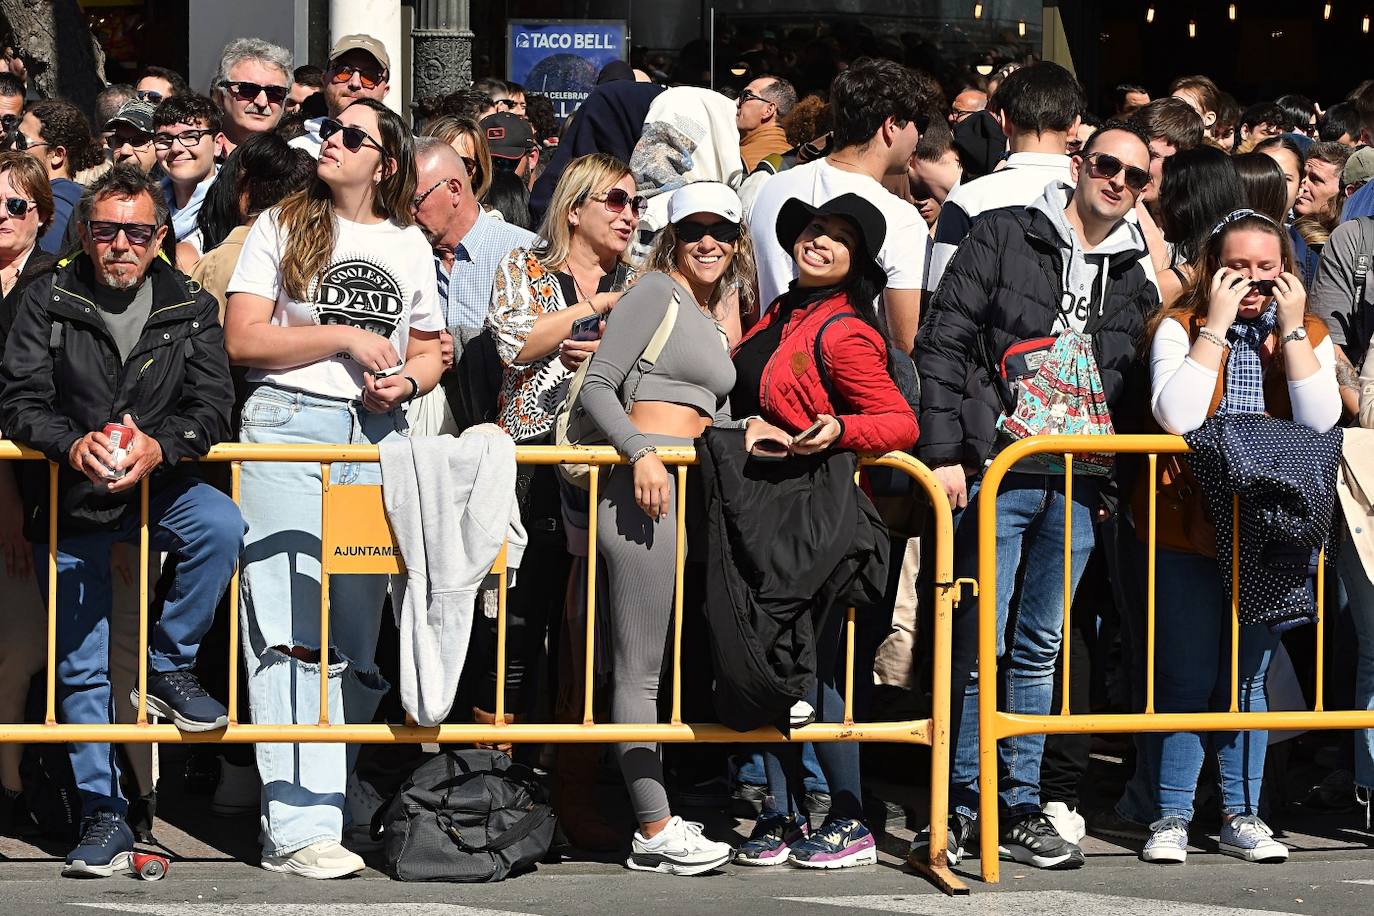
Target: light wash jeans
{"points": [[1193, 674], [1360, 592], [1030, 534], [304, 785]]}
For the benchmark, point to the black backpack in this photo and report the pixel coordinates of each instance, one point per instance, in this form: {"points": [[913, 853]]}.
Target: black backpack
{"points": [[473, 386], [45, 772], [467, 816]]}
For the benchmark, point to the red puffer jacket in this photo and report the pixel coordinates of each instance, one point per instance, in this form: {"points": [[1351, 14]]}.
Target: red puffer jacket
{"points": [[791, 392]]}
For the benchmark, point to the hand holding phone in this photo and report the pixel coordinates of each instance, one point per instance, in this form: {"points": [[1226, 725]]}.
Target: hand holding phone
{"points": [[388, 373], [584, 329], [770, 450], [810, 431]]}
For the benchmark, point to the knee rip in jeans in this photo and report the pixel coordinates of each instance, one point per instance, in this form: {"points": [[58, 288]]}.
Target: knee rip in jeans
{"points": [[339, 665]]}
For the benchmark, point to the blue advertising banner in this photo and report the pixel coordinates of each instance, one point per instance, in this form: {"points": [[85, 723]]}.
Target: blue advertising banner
{"points": [[560, 58]]}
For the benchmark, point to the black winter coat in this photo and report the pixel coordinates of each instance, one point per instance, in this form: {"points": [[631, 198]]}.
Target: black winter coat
{"points": [[787, 543], [1004, 285], [61, 377]]}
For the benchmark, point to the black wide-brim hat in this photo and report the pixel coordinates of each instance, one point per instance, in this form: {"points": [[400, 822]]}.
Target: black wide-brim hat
{"points": [[796, 214]]}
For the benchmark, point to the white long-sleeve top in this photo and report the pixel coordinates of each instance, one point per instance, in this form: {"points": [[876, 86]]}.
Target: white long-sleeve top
{"points": [[1181, 388]]}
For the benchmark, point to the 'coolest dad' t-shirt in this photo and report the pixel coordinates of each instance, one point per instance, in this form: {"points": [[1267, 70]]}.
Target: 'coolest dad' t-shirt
{"points": [[380, 278]]}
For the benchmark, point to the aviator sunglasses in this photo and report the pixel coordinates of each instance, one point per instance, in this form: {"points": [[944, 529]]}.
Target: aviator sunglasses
{"points": [[1104, 166], [616, 199]]}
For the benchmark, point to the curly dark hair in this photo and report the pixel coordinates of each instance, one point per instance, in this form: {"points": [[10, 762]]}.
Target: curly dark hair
{"points": [[60, 123], [186, 109]]}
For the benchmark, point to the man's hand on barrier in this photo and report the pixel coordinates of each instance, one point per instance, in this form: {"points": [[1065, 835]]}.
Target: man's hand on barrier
{"points": [[91, 456], [143, 457], [955, 482], [446, 349]]}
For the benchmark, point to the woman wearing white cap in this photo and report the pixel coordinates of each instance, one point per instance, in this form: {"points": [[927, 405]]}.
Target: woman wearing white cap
{"points": [[698, 259]]}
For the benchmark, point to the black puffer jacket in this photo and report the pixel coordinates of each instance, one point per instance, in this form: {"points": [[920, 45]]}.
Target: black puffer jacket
{"points": [[61, 377], [1005, 285]]}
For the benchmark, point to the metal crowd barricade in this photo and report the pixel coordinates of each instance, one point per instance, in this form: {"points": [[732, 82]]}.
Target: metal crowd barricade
{"points": [[995, 725], [355, 538]]}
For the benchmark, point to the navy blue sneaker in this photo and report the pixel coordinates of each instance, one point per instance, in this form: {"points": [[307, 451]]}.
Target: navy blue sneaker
{"points": [[178, 696], [105, 848], [840, 843], [770, 843]]}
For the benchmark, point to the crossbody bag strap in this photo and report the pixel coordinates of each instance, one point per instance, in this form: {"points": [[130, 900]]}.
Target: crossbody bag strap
{"points": [[654, 348]]}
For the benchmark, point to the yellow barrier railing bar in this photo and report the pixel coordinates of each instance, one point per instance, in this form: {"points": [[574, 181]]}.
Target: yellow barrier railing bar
{"points": [[235, 484], [589, 646], [50, 717], [1068, 575], [326, 480], [142, 602], [995, 725], [679, 585]]}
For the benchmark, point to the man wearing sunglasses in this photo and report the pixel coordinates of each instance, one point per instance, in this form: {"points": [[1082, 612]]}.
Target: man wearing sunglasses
{"points": [[131, 135], [759, 108], [117, 334], [250, 89], [1070, 261], [184, 130], [359, 68]]}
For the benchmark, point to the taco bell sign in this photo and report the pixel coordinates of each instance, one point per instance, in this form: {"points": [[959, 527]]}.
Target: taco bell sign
{"points": [[561, 58]]}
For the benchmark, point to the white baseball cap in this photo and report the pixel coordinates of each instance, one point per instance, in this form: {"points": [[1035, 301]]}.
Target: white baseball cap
{"points": [[704, 197]]}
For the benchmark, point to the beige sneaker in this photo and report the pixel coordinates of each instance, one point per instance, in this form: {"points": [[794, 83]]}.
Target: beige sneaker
{"points": [[321, 859]]}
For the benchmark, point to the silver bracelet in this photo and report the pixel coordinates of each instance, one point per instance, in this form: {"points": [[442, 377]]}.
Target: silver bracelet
{"points": [[1209, 335], [646, 450]]}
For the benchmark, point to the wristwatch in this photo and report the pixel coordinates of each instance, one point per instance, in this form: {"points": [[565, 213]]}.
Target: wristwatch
{"points": [[1295, 334]]}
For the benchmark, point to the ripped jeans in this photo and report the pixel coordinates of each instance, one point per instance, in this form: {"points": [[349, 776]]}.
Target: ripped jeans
{"points": [[304, 785]]}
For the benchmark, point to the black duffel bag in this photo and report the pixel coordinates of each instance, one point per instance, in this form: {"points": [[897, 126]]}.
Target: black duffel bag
{"points": [[466, 816]]}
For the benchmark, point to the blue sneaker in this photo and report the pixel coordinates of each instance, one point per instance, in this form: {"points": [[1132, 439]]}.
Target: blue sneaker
{"points": [[105, 848], [771, 840], [178, 697], [840, 843]]}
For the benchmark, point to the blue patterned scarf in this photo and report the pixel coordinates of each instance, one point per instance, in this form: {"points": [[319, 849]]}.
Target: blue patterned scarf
{"points": [[1244, 390]]}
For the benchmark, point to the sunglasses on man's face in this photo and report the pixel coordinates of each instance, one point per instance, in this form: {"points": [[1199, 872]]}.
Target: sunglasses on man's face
{"points": [[749, 95], [149, 95], [138, 234], [353, 137], [724, 231], [18, 207], [369, 78], [616, 199], [249, 92], [1105, 167]]}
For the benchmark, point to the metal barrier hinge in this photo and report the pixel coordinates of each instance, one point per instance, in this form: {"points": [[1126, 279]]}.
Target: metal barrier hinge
{"points": [[959, 588]]}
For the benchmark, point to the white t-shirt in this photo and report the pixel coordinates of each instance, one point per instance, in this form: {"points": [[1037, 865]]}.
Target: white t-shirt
{"points": [[380, 278], [903, 254]]}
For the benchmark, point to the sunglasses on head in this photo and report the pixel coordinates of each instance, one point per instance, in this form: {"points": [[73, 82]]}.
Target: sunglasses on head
{"points": [[18, 207], [369, 77], [106, 231], [616, 199], [1104, 166], [723, 231], [353, 137], [248, 92]]}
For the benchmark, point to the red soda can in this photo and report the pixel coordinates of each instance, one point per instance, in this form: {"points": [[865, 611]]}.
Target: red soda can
{"points": [[121, 437]]}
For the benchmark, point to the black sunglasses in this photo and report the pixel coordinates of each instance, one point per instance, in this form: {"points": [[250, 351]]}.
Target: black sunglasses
{"points": [[748, 95], [616, 199], [353, 137], [248, 92], [1263, 287], [18, 207], [149, 95], [1105, 166], [106, 231], [723, 231]]}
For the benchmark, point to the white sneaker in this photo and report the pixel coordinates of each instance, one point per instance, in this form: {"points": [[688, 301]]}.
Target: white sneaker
{"points": [[802, 713], [322, 859], [1168, 842], [1249, 838], [238, 792], [1068, 823], [678, 849]]}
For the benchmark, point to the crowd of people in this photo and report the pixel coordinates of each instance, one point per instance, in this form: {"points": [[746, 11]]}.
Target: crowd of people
{"points": [[892, 263]]}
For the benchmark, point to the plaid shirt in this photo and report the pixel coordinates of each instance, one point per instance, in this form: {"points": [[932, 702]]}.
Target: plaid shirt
{"points": [[465, 291]]}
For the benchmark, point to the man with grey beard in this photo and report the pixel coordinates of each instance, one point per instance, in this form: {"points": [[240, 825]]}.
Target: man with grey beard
{"points": [[116, 335]]}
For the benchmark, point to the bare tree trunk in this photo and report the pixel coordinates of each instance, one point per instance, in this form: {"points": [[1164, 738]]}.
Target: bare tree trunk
{"points": [[55, 32]]}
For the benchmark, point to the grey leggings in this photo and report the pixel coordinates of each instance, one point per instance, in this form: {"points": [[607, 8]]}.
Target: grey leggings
{"points": [[637, 556]]}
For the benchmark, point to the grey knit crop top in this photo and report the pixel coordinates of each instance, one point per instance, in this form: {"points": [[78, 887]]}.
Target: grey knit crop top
{"points": [[694, 368]]}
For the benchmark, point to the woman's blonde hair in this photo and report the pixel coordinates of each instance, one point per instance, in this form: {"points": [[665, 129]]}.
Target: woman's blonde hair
{"points": [[449, 128], [307, 217], [738, 275], [586, 175]]}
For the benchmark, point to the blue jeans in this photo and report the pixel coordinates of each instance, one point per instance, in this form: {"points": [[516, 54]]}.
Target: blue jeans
{"points": [[1360, 592], [202, 528], [304, 785], [1193, 674], [751, 771], [1030, 533]]}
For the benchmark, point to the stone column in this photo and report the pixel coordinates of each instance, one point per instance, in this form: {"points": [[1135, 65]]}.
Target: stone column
{"points": [[442, 42]]}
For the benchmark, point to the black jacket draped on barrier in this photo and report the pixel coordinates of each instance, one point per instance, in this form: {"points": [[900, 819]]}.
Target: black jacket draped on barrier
{"points": [[1285, 476], [787, 542]]}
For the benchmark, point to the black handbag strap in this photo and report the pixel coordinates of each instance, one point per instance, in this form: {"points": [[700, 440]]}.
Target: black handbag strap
{"points": [[522, 828]]}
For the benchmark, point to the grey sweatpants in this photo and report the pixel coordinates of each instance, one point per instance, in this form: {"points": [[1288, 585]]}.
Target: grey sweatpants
{"points": [[637, 556]]}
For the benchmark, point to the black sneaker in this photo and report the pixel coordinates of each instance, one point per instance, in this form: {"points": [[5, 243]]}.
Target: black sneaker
{"points": [[1032, 840], [816, 805], [746, 800], [960, 838], [104, 850], [178, 697]]}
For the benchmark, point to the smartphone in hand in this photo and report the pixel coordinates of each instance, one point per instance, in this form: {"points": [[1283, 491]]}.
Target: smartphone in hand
{"points": [[770, 450], [810, 431], [388, 373], [588, 328]]}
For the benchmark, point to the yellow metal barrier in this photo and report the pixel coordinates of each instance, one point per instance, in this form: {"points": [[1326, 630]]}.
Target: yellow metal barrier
{"points": [[355, 538], [994, 725]]}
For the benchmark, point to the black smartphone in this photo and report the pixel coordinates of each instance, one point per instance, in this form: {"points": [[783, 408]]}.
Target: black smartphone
{"points": [[770, 450], [588, 328]]}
